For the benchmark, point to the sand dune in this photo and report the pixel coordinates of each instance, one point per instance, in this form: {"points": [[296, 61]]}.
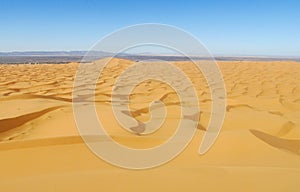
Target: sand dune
{"points": [[257, 149], [10, 123], [284, 144]]}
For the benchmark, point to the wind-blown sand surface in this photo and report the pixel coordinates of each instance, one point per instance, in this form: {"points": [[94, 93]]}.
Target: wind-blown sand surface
{"points": [[258, 148]]}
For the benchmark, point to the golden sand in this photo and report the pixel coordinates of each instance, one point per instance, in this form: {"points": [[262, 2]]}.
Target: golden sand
{"points": [[258, 148]]}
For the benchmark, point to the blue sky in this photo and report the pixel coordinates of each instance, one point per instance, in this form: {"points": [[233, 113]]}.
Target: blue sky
{"points": [[225, 27]]}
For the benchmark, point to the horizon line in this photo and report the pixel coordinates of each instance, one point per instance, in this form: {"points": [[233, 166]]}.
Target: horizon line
{"points": [[144, 54]]}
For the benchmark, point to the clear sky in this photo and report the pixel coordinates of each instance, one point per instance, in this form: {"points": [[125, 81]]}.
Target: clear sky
{"points": [[233, 27]]}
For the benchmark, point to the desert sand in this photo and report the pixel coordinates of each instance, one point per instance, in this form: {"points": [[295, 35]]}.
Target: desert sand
{"points": [[258, 148]]}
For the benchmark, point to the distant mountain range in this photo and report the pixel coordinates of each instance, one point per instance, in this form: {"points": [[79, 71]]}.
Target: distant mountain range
{"points": [[30, 57], [53, 53], [50, 56]]}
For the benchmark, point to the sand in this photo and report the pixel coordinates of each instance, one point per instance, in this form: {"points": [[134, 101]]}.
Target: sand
{"points": [[258, 148]]}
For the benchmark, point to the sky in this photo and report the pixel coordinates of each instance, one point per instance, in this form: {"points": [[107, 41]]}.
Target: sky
{"points": [[233, 28]]}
